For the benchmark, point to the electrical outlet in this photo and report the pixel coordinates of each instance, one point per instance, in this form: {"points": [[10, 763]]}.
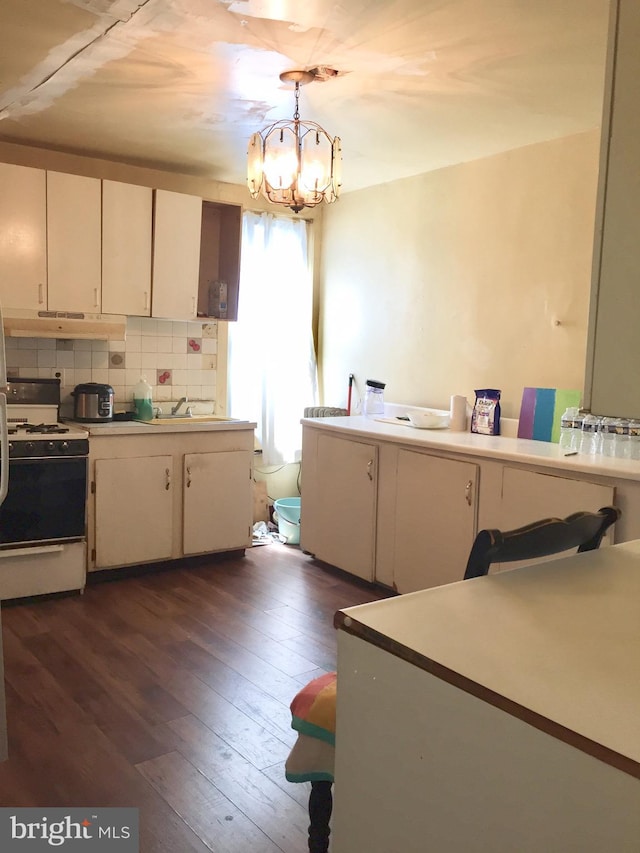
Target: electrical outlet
{"points": [[58, 373]]}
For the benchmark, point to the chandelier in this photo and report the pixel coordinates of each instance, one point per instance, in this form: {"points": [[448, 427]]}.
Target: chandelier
{"points": [[292, 162]]}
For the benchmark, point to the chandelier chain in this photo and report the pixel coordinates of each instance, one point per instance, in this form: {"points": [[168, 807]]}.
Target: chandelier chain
{"points": [[296, 114]]}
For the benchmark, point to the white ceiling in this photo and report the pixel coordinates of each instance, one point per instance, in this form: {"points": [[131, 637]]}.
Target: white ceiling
{"points": [[180, 85]]}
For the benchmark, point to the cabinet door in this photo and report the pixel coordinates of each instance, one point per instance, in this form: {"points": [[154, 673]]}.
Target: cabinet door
{"points": [[338, 507], [23, 237], [435, 520], [528, 496], [176, 255], [74, 241], [218, 501], [126, 248], [133, 510]]}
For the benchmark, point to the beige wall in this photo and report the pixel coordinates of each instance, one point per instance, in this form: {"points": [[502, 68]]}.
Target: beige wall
{"points": [[473, 276]]}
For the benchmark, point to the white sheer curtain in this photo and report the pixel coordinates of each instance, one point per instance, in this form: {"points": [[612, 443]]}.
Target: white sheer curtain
{"points": [[272, 366]]}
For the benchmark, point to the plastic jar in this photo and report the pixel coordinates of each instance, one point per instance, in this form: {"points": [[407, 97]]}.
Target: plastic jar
{"points": [[374, 397]]}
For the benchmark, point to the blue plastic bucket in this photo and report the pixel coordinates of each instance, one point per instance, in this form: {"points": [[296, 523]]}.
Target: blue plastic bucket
{"points": [[288, 512]]}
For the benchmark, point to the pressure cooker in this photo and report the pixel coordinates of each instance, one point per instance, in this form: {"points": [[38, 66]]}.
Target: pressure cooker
{"points": [[92, 402]]}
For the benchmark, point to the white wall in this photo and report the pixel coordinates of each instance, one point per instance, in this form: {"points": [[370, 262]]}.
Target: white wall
{"points": [[473, 276]]}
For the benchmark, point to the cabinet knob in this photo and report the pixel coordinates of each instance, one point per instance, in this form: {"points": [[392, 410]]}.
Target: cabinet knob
{"points": [[167, 483]]}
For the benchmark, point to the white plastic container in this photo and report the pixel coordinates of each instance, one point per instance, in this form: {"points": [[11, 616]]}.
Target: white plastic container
{"points": [[590, 441], [566, 427], [374, 397]]}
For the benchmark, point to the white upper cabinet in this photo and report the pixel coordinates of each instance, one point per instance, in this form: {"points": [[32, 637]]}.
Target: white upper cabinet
{"points": [[74, 241], [176, 255], [127, 212], [23, 237]]}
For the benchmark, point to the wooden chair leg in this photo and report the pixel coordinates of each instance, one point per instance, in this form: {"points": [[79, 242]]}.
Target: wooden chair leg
{"points": [[320, 807]]}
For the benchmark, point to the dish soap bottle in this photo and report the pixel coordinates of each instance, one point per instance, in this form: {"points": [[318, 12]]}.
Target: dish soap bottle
{"points": [[142, 400]]}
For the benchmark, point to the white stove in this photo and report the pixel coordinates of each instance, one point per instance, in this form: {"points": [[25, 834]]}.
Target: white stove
{"points": [[43, 519], [32, 421]]}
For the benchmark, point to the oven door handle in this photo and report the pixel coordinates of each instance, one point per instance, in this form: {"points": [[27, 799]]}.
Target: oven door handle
{"points": [[29, 552]]}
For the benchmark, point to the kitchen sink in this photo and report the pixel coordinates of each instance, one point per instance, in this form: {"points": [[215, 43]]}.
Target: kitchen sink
{"points": [[194, 419]]}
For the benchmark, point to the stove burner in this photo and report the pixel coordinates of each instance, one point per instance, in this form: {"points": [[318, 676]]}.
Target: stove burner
{"points": [[45, 428]]}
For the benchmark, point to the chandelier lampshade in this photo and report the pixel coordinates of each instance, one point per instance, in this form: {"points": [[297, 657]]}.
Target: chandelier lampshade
{"points": [[294, 163]]}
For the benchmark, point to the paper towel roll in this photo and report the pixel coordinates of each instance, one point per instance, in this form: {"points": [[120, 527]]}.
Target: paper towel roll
{"points": [[458, 413]]}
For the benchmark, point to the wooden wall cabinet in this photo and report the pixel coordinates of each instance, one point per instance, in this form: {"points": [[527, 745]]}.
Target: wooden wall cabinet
{"points": [[219, 260], [74, 243], [127, 226], [176, 255], [23, 237]]}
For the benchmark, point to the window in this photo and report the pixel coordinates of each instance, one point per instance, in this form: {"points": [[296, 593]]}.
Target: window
{"points": [[272, 366]]}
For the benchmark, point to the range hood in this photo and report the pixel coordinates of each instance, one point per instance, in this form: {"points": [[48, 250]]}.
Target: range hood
{"points": [[64, 325]]}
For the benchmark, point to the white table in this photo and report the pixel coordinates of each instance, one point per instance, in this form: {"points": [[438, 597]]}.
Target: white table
{"points": [[498, 714]]}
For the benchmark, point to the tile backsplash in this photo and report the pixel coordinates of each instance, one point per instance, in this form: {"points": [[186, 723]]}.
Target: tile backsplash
{"points": [[178, 359]]}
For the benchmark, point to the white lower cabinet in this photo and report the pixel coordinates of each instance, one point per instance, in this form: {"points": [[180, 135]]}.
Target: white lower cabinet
{"points": [[164, 496], [529, 495], [134, 510], [216, 491], [407, 517], [434, 522], [338, 507]]}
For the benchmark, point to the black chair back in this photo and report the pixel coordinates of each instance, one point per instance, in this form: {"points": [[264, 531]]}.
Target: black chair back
{"points": [[582, 530]]}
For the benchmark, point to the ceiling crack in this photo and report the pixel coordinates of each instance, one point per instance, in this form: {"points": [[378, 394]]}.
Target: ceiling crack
{"points": [[6, 109]]}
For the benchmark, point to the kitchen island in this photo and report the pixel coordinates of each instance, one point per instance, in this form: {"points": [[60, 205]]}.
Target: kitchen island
{"points": [[496, 714]]}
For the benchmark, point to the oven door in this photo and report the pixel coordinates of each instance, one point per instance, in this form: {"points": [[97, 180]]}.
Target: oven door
{"points": [[46, 501]]}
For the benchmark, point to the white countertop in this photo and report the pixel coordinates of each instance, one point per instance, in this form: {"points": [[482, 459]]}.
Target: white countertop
{"points": [[145, 428], [560, 638], [540, 453]]}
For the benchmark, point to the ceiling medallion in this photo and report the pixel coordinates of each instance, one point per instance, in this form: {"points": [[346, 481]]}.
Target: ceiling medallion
{"points": [[295, 163]]}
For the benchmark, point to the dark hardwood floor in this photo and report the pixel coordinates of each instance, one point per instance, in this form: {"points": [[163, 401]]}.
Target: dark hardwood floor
{"points": [[170, 692]]}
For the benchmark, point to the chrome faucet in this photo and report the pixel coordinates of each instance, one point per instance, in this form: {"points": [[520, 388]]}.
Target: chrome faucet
{"points": [[174, 410]]}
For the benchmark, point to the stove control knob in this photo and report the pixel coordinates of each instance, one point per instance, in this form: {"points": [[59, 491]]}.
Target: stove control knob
{"points": [[30, 446], [64, 446], [51, 446]]}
